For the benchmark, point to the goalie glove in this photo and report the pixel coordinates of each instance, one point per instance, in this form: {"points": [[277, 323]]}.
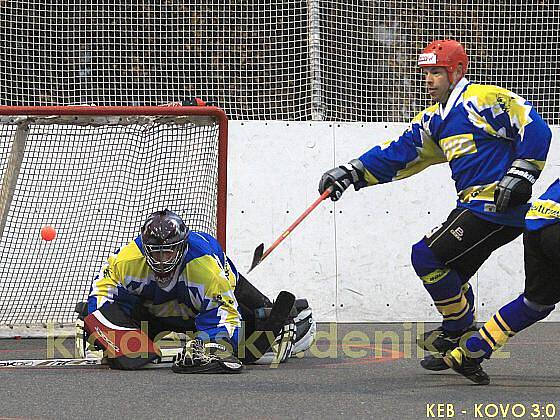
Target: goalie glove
{"points": [[200, 357], [341, 177], [516, 186]]}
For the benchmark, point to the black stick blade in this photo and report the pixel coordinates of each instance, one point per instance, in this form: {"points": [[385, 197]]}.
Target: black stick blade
{"points": [[257, 256]]}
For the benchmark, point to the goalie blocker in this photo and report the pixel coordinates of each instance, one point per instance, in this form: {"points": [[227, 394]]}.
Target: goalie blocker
{"points": [[113, 334]]}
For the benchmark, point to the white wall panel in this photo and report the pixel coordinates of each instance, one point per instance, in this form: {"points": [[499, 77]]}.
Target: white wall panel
{"points": [[375, 229], [274, 170], [350, 259]]}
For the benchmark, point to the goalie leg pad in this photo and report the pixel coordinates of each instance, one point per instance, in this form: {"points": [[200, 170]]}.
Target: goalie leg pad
{"points": [[125, 345], [282, 347], [306, 329], [275, 323], [297, 335], [82, 347]]}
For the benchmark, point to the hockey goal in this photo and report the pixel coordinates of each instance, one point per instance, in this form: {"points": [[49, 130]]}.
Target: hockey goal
{"points": [[95, 173]]}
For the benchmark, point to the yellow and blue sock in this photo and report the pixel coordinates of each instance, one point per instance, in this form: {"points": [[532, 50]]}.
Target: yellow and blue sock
{"points": [[504, 324]]}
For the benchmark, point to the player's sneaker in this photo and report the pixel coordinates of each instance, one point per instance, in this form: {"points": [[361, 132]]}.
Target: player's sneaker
{"points": [[433, 362], [439, 342], [457, 360]]}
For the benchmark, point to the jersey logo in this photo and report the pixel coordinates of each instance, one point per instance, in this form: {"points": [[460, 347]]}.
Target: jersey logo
{"points": [[504, 102], [218, 299], [458, 233]]}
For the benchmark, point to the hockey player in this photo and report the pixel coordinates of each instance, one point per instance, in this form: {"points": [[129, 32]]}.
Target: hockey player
{"points": [[172, 279], [496, 144], [541, 242]]}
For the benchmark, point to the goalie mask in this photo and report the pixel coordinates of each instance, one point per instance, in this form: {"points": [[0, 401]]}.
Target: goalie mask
{"points": [[164, 239]]}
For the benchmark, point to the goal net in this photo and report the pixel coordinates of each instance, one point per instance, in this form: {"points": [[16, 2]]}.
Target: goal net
{"points": [[95, 174], [341, 60]]}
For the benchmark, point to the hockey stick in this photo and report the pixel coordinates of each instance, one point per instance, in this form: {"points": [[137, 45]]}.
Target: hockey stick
{"points": [[259, 255], [167, 356], [28, 363]]}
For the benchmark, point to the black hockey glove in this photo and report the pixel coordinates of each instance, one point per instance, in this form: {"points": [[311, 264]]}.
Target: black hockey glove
{"points": [[341, 177], [516, 186], [200, 357]]}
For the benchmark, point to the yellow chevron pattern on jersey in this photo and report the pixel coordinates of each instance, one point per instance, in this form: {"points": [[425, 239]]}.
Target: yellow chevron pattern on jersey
{"points": [[499, 101], [429, 154], [112, 274], [421, 116], [456, 146], [544, 209], [130, 265], [218, 285], [478, 192], [213, 275]]}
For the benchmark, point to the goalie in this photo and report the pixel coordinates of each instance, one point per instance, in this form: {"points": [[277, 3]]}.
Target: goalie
{"points": [[172, 279]]}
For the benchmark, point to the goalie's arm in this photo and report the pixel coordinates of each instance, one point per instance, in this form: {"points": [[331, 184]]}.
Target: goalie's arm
{"points": [[218, 316], [217, 337]]}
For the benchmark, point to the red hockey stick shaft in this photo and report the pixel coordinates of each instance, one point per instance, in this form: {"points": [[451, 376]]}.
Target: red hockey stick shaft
{"points": [[257, 257]]}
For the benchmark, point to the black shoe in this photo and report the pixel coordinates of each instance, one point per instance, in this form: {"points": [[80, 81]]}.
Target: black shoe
{"points": [[434, 362], [464, 365], [441, 341]]}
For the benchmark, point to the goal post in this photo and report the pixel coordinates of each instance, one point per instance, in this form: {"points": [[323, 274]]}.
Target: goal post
{"points": [[95, 173]]}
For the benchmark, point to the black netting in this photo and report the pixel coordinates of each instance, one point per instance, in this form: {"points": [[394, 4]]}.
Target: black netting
{"points": [[291, 60]]}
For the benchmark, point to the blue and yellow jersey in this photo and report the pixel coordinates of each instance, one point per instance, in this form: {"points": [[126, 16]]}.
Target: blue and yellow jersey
{"points": [[480, 132], [202, 288], [546, 210]]}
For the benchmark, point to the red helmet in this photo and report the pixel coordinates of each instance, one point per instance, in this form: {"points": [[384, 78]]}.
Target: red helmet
{"points": [[444, 53]]}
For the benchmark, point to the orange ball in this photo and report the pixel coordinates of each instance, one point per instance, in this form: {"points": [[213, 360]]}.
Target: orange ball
{"points": [[48, 233]]}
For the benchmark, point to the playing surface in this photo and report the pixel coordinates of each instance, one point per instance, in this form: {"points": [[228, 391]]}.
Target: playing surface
{"points": [[334, 381]]}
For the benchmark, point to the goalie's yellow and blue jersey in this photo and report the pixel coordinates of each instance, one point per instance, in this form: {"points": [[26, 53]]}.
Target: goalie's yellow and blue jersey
{"points": [[202, 288], [545, 210], [480, 132]]}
